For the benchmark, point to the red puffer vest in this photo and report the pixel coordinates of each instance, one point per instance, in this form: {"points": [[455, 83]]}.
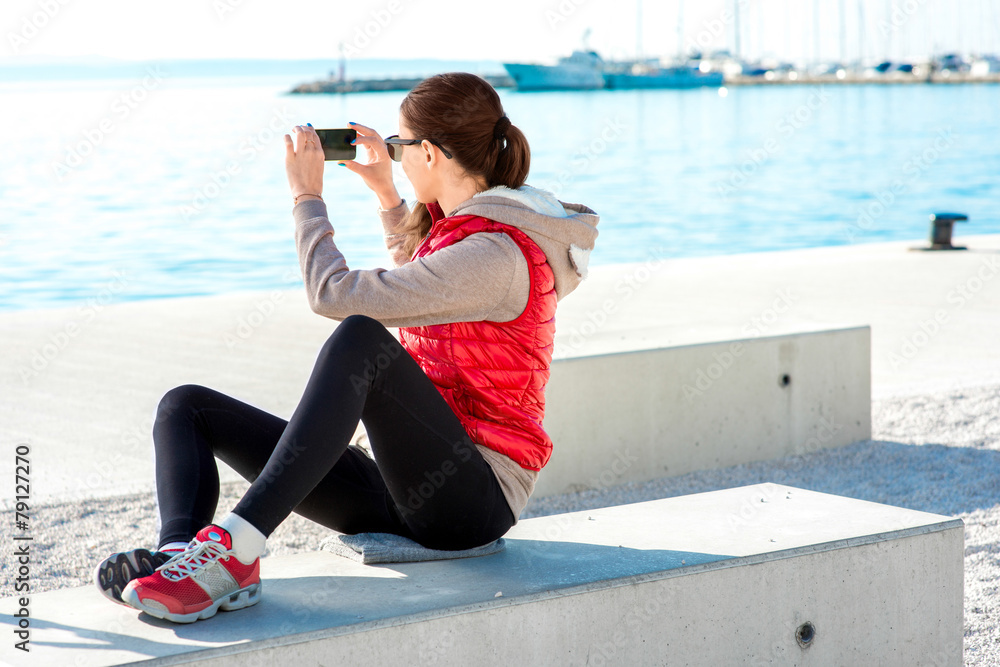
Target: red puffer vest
{"points": [[493, 374]]}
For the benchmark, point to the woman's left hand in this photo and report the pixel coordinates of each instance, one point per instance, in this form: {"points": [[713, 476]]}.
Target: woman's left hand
{"points": [[304, 161]]}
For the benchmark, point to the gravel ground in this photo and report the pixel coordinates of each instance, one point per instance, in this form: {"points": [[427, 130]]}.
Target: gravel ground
{"points": [[936, 453]]}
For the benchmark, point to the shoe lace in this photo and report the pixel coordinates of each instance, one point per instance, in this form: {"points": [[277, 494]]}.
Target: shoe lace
{"points": [[196, 557]]}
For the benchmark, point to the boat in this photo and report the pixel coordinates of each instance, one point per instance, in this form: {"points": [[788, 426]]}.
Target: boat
{"points": [[583, 70], [984, 66], [650, 75], [586, 70]]}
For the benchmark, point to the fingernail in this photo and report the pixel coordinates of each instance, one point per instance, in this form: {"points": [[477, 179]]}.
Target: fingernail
{"points": [[309, 124], [342, 164], [351, 122], [354, 141]]}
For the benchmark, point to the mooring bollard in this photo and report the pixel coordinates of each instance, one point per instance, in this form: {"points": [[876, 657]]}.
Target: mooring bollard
{"points": [[941, 228]]}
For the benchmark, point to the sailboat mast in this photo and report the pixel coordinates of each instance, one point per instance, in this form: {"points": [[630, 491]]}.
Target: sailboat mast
{"points": [[929, 32], [736, 29], [982, 28], [861, 34], [788, 30], [959, 31], [680, 30], [816, 38], [888, 20], [638, 30], [760, 30], [843, 32]]}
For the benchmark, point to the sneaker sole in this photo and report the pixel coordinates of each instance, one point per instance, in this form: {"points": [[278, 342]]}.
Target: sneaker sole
{"points": [[244, 597], [117, 570]]}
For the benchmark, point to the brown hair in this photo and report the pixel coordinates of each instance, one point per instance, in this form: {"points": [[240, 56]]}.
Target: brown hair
{"points": [[460, 111]]}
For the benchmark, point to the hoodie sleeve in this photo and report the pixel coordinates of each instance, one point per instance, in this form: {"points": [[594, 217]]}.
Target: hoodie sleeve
{"points": [[392, 220], [482, 277]]}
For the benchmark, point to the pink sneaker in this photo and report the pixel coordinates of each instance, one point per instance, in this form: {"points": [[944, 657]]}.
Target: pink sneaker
{"points": [[195, 584]]}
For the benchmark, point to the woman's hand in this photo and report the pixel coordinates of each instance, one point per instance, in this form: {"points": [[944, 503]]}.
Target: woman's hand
{"points": [[304, 161], [377, 171]]}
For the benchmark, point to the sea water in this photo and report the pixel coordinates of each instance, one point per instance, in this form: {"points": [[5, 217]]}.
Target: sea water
{"points": [[161, 180]]}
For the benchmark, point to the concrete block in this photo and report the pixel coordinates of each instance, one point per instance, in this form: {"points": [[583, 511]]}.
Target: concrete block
{"points": [[636, 416], [721, 578]]}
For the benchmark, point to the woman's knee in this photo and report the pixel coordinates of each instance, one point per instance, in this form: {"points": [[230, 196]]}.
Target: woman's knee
{"points": [[360, 325], [358, 333], [180, 399]]}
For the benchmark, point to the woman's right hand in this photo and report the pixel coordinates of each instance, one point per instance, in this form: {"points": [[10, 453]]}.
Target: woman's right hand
{"points": [[377, 171]]}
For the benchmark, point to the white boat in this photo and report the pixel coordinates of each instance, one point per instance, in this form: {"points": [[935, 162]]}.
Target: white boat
{"points": [[984, 66], [643, 75], [583, 70]]}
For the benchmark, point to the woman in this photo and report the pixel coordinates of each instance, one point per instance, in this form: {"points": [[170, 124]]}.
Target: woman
{"points": [[453, 410]]}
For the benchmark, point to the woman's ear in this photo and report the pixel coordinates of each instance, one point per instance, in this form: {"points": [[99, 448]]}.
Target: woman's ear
{"points": [[429, 157]]}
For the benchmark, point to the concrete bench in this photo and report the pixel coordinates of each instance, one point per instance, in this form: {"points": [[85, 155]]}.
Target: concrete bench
{"points": [[762, 574], [615, 416], [637, 416]]}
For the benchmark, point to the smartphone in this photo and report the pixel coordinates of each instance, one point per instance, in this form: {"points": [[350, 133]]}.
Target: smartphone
{"points": [[337, 143]]}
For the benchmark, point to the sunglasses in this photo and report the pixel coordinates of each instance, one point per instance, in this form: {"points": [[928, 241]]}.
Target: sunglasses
{"points": [[396, 154]]}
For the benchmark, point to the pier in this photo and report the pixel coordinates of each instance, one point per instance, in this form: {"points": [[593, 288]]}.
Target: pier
{"points": [[805, 79], [769, 78], [381, 85]]}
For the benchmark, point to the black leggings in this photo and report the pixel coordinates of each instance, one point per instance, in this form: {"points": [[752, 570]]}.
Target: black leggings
{"points": [[427, 481]]}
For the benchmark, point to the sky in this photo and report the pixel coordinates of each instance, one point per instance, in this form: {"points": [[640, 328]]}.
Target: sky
{"points": [[514, 30]]}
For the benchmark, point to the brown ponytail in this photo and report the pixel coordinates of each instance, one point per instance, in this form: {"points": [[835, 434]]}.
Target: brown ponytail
{"points": [[462, 112]]}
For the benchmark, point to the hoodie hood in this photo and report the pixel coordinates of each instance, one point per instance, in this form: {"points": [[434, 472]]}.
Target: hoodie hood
{"points": [[565, 232]]}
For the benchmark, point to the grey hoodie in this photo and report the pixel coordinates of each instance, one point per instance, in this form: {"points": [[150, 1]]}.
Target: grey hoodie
{"points": [[565, 232], [482, 277]]}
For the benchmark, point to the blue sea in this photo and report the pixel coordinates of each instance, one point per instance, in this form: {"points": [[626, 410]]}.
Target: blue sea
{"points": [[167, 179]]}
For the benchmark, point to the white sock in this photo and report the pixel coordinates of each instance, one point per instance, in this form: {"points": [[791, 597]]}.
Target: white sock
{"points": [[248, 542], [173, 547]]}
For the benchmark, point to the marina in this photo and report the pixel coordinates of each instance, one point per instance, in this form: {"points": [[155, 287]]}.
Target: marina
{"points": [[873, 58], [587, 70], [533, 77]]}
